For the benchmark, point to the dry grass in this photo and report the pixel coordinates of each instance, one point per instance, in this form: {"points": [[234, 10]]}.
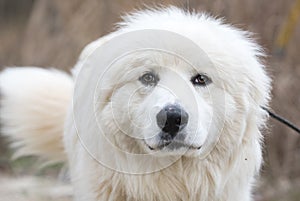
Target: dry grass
{"points": [[30, 188]]}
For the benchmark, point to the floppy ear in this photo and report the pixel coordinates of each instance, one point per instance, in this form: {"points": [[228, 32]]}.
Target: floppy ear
{"points": [[88, 50], [89, 63]]}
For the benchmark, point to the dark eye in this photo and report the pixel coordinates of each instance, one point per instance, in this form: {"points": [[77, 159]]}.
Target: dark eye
{"points": [[201, 80], [149, 78]]}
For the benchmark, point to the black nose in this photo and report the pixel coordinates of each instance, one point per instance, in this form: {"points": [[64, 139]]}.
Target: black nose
{"points": [[172, 119]]}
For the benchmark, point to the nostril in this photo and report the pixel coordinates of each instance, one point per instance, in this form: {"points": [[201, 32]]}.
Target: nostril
{"points": [[178, 121], [161, 119], [184, 119]]}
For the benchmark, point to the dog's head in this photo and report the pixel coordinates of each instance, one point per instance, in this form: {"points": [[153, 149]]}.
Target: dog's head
{"points": [[160, 102]]}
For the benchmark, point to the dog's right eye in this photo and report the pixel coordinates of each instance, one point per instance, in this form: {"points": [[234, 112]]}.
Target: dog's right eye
{"points": [[149, 79]]}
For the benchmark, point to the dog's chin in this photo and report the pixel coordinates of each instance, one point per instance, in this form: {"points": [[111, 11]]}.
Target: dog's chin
{"points": [[173, 148]]}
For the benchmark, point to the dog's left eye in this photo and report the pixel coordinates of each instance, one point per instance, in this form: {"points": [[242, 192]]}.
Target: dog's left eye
{"points": [[200, 80], [149, 78]]}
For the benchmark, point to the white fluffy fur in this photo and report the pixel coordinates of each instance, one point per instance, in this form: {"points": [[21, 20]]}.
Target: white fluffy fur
{"points": [[31, 95], [34, 104]]}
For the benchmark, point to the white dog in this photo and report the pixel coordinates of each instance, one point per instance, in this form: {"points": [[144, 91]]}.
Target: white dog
{"points": [[177, 118]]}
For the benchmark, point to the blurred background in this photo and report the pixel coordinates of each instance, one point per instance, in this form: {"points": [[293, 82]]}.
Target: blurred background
{"points": [[51, 33]]}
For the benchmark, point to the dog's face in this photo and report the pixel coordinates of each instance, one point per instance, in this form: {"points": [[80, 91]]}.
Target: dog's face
{"points": [[166, 106]]}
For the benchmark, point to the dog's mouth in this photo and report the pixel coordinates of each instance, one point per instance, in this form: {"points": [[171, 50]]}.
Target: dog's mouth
{"points": [[172, 145]]}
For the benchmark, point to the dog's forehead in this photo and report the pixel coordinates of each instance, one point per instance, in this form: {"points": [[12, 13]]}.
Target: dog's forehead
{"points": [[163, 62]]}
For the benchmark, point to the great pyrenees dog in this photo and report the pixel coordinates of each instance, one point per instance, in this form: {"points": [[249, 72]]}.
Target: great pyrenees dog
{"points": [[166, 108]]}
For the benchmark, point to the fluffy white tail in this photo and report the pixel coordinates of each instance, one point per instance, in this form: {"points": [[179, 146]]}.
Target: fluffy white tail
{"points": [[34, 103]]}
